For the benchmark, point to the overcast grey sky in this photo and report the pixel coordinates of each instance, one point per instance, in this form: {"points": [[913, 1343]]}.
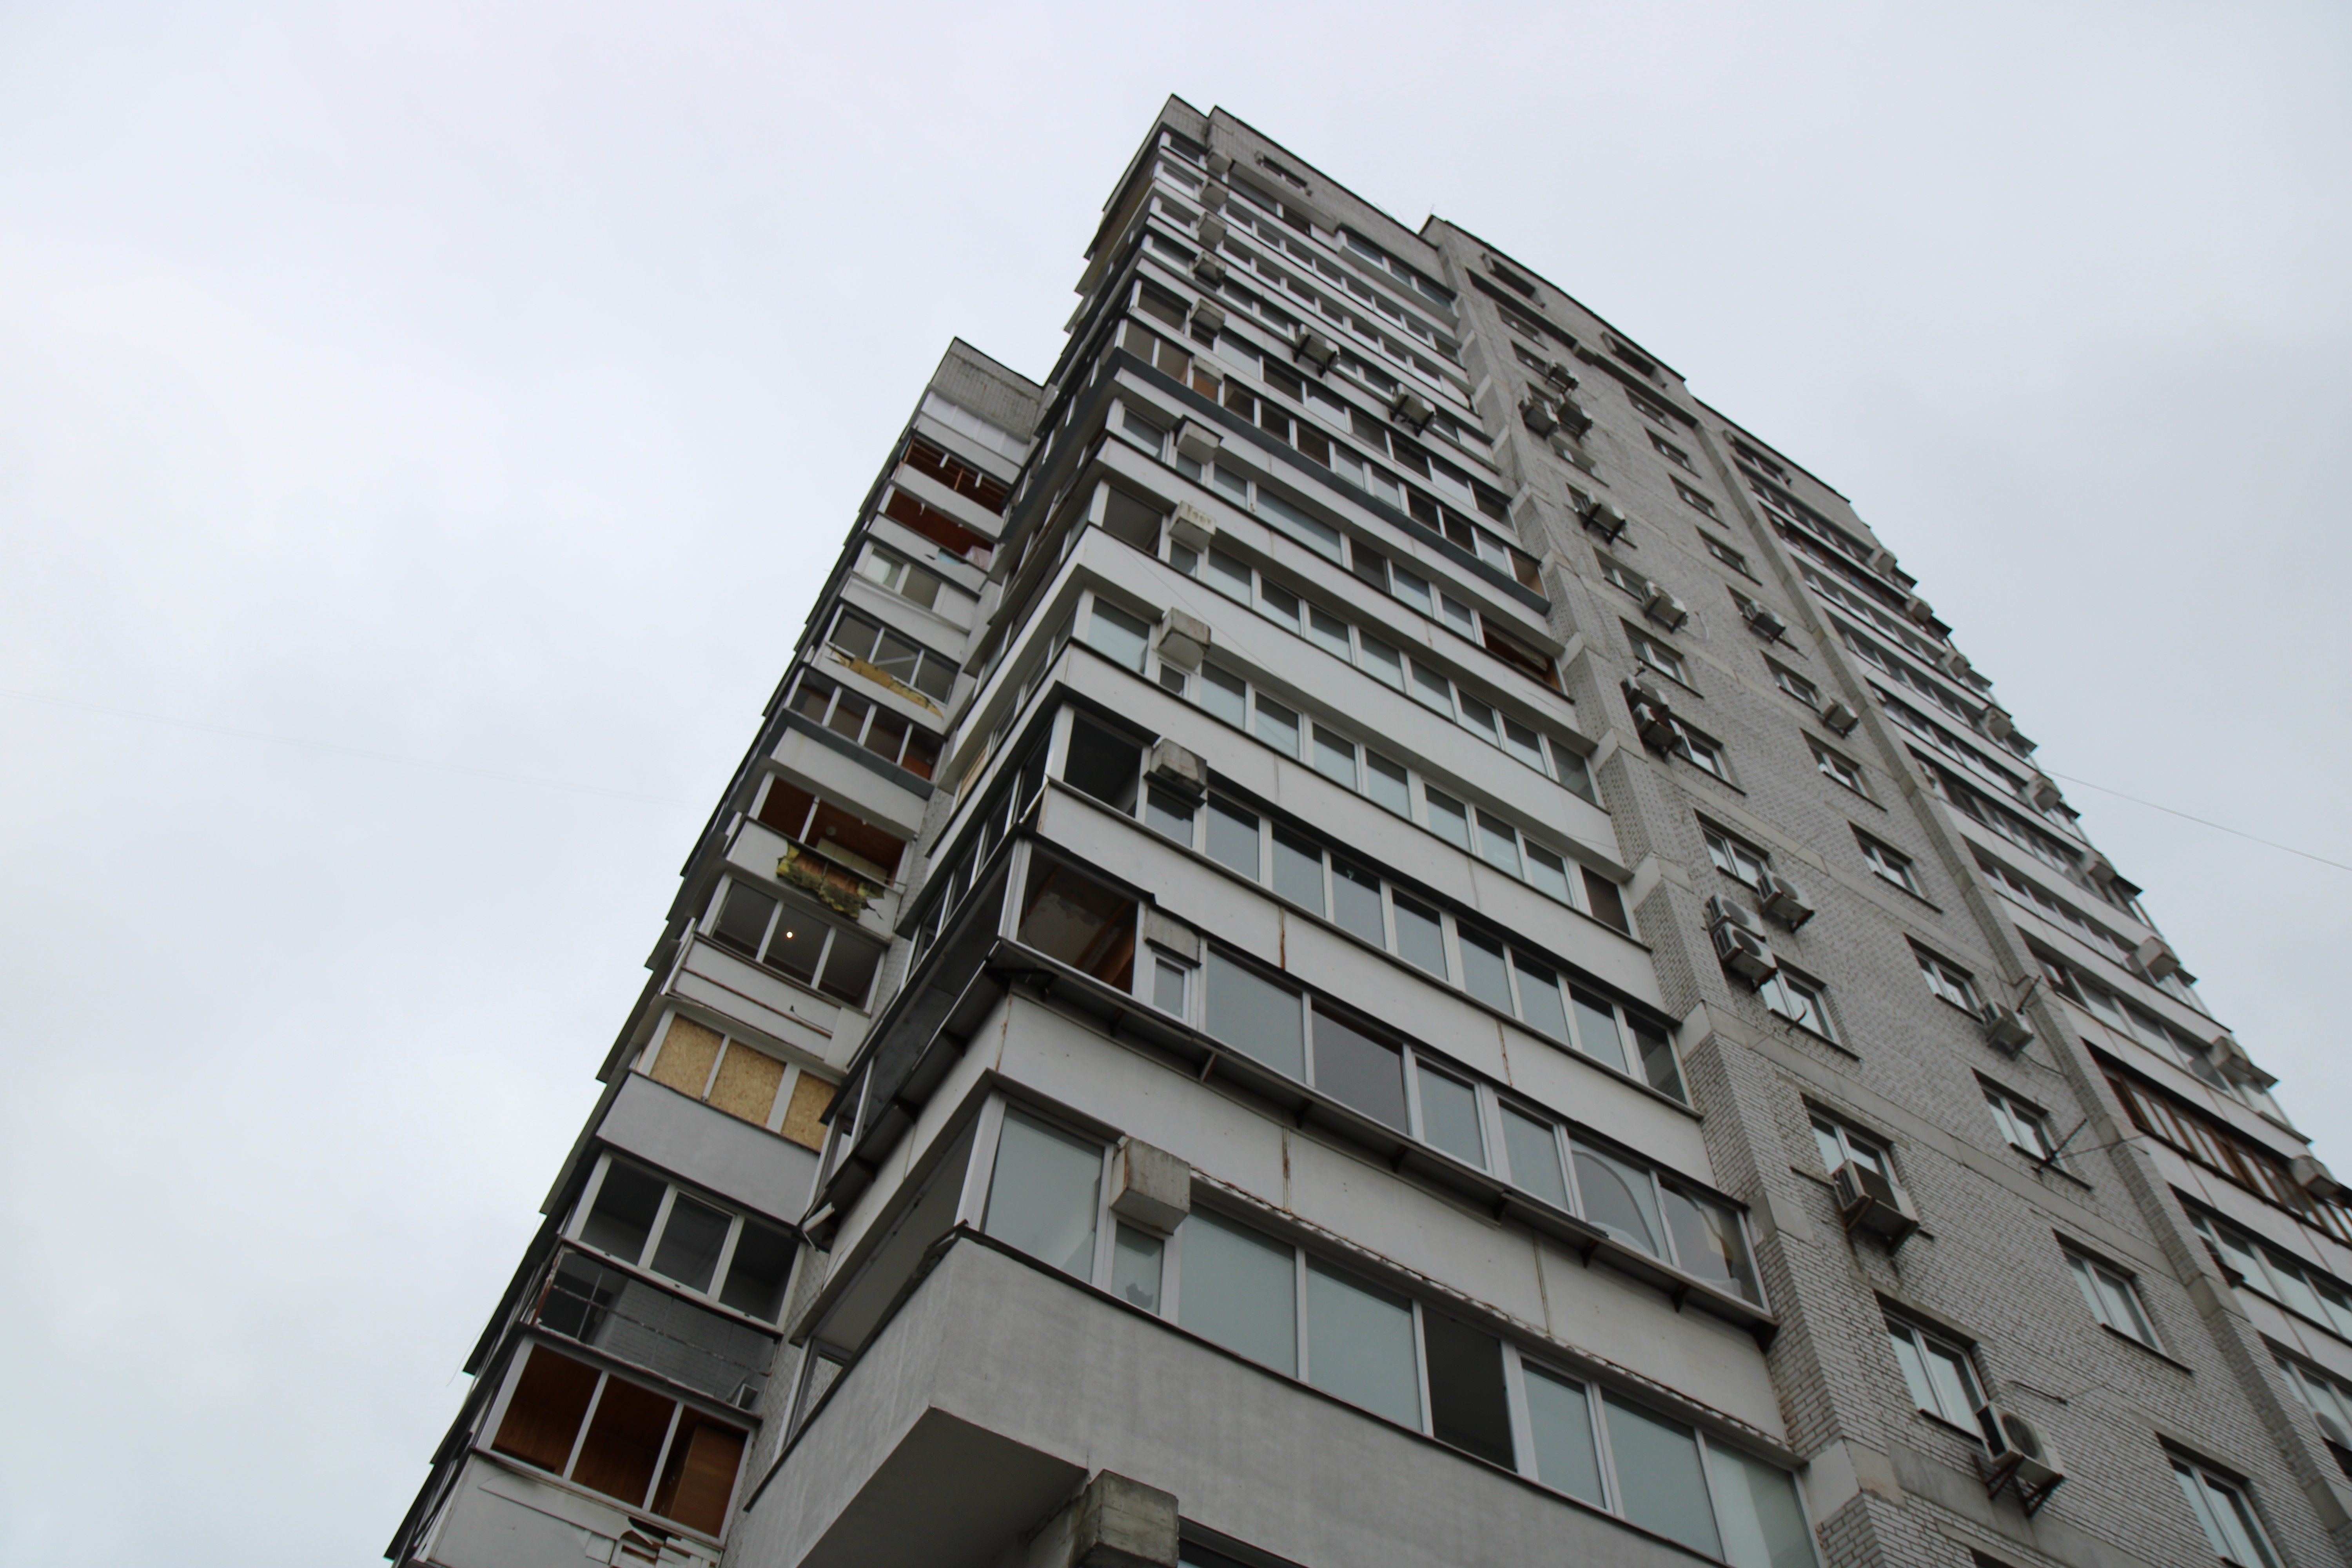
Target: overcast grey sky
{"points": [[487, 385]]}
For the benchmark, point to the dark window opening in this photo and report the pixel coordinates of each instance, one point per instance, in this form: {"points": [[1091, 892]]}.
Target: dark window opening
{"points": [[1078, 921]]}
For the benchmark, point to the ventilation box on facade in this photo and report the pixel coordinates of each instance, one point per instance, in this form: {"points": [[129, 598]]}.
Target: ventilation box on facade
{"points": [[1181, 639]]}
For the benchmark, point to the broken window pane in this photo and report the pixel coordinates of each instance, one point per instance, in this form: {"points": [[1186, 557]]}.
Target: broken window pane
{"points": [[1103, 765], [1078, 921], [762, 1261]]}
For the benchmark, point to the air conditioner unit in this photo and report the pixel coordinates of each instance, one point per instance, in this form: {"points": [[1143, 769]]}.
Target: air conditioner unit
{"points": [[1208, 318], [1958, 663], [1739, 941], [1996, 723], [2099, 868], [1314, 349], [1868, 1202], [1882, 561], [2232, 1062], [2313, 1177], [2007, 1029], [2154, 958], [1219, 165], [1665, 608], [1183, 639], [1211, 231], [1559, 376], [2043, 792], [1411, 410], [1213, 195], [1209, 270], [2018, 1459], [1841, 718], [1538, 416], [1606, 519], [1919, 610], [1573, 418], [1653, 716], [1197, 442], [1763, 622], [1784, 900], [1191, 528]]}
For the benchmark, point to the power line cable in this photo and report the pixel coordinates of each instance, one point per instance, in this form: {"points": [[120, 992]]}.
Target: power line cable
{"points": [[2202, 822]]}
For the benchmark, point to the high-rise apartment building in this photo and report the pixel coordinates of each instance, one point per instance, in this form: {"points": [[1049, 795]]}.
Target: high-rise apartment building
{"points": [[1363, 934]]}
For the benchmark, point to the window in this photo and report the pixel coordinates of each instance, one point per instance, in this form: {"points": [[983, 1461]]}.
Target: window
{"points": [[1070, 917], [953, 537], [1043, 1194], [886, 734], [1949, 982], [882, 655], [1803, 1002], [604, 1432], [904, 578], [741, 1080], [1704, 751], [1697, 501], [1672, 453], [1891, 864], [1795, 685], [1121, 637], [2329, 1400], [1735, 856], [784, 936], [2112, 1298], [708, 1250], [1657, 655], [815, 823], [2026, 1129], [2299, 1287], [1841, 768], [954, 473], [1941, 1377], [1838, 1144], [1727, 555], [1620, 575], [2226, 1514]]}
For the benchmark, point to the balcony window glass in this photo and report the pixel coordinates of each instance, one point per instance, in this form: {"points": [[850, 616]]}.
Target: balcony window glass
{"points": [[1707, 1243], [1224, 695], [1233, 839], [1449, 1117], [1255, 1017], [1170, 814], [1356, 902], [1559, 1417], [1469, 1406], [1359, 1345], [1384, 781], [1533, 1149], [762, 1262], [1756, 1504], [1618, 1198], [1659, 1481], [1483, 971], [1335, 756], [1540, 996], [1135, 1267], [1075, 919], [1596, 1030], [1359, 1071], [1420, 939], [1043, 1194], [1277, 726], [1240, 1290], [1298, 870]]}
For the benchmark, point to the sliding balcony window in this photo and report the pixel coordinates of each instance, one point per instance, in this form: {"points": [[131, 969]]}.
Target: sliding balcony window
{"points": [[608, 1435], [882, 654], [1332, 1325], [1334, 886], [781, 935], [886, 734]]}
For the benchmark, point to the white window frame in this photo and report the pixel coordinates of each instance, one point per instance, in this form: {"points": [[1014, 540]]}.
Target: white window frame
{"points": [[2094, 1279], [1890, 865]]}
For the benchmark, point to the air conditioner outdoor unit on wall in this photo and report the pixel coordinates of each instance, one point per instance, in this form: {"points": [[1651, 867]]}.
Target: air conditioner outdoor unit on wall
{"points": [[1606, 519], [1537, 415], [2313, 1177], [2018, 1459], [1868, 1202], [1764, 623], [1653, 716], [1784, 900], [1209, 270], [1573, 418], [1412, 410], [1665, 608], [2154, 958], [1739, 941], [1315, 349], [1841, 718], [2007, 1029]]}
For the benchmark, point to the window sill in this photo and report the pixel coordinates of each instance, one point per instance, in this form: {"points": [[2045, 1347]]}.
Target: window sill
{"points": [[2147, 1349]]}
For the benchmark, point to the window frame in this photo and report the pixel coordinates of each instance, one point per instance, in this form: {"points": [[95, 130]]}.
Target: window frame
{"points": [[785, 899], [2094, 1277], [1835, 766], [1890, 865]]}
